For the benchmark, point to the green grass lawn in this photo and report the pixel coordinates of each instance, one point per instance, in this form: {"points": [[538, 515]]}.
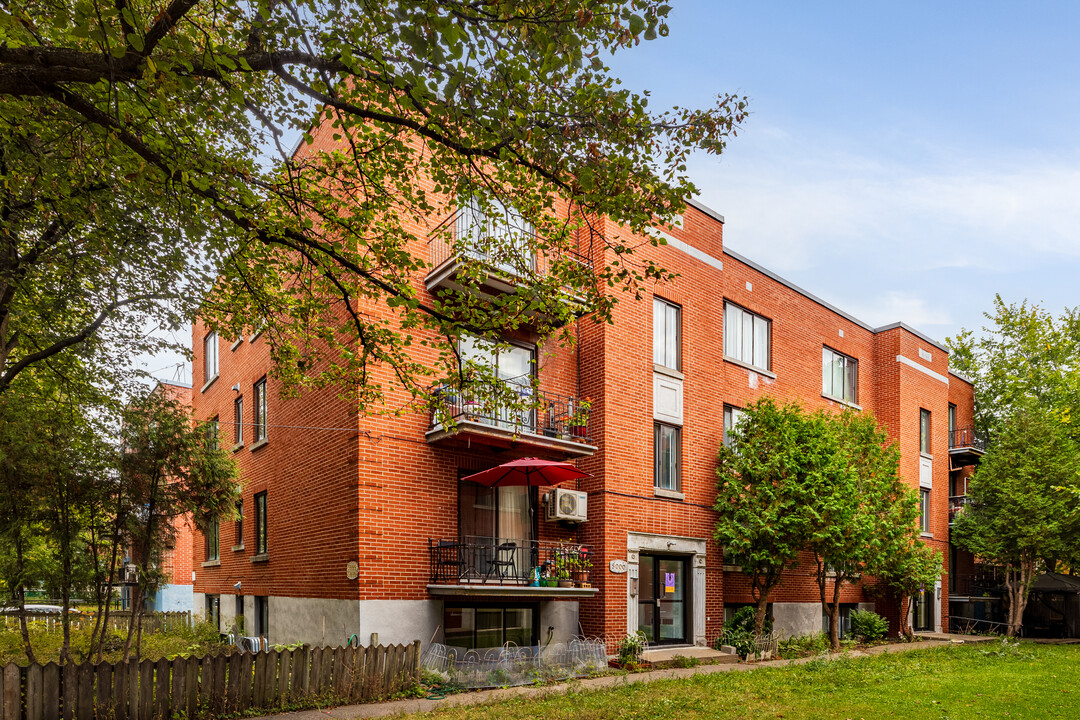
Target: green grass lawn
{"points": [[967, 681]]}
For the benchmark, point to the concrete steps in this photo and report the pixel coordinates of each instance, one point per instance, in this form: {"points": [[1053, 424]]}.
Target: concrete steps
{"points": [[704, 654]]}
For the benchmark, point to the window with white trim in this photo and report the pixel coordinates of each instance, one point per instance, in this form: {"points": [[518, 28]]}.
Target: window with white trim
{"points": [[667, 446], [732, 416], [667, 334], [924, 509], [746, 336], [839, 376], [260, 410], [210, 357]]}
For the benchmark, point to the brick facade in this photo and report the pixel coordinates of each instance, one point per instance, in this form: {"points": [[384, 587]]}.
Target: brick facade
{"points": [[370, 489]]}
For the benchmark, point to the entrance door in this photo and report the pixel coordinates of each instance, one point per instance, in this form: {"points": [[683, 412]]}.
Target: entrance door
{"points": [[664, 599]]}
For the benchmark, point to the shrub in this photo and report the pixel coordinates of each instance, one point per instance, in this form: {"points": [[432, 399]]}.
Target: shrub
{"points": [[631, 648], [685, 661], [804, 645], [868, 626], [739, 632]]}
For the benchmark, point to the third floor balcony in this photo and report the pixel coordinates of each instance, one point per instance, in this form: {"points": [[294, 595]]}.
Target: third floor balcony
{"points": [[966, 447], [508, 415], [493, 253]]}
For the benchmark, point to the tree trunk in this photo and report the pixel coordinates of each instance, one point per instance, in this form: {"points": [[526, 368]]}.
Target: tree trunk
{"points": [[761, 588], [1018, 581], [905, 626], [20, 591], [834, 616]]}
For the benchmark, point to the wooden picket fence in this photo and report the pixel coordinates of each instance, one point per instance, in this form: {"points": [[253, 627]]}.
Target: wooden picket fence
{"points": [[207, 687], [152, 622]]}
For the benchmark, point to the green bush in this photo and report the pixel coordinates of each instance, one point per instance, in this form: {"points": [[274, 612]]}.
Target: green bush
{"points": [[804, 645], [868, 626], [739, 632], [685, 661], [631, 648]]}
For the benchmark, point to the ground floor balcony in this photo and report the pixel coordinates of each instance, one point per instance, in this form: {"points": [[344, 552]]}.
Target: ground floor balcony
{"points": [[504, 568], [513, 417], [957, 503]]}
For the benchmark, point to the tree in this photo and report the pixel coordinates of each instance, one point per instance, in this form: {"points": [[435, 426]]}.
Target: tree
{"points": [[1025, 355], [133, 130], [765, 476], [169, 468], [912, 569], [1018, 516]]}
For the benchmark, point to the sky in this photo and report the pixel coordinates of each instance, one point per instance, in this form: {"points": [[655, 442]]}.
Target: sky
{"points": [[903, 161]]}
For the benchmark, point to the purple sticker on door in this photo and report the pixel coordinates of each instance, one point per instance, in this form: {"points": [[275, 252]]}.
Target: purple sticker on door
{"points": [[669, 582]]}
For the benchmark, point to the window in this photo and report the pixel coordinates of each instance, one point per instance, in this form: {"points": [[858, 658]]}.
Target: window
{"points": [[212, 538], [240, 523], [238, 615], [746, 336], [732, 416], [486, 626], [260, 410], [260, 523], [666, 449], [952, 420], [213, 428], [512, 365], [839, 376], [924, 509], [262, 616], [210, 357], [213, 611], [667, 334], [924, 431], [238, 419]]}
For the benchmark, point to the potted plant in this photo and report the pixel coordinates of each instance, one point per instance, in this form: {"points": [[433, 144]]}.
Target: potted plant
{"points": [[562, 570], [579, 420], [579, 571]]}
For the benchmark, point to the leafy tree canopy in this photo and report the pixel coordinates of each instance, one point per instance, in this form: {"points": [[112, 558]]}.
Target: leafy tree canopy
{"points": [[1024, 355], [144, 153]]}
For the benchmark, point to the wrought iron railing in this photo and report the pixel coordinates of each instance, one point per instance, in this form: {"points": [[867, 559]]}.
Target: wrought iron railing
{"points": [[986, 583], [508, 256], [957, 503], [515, 407], [473, 559], [966, 438], [976, 626]]}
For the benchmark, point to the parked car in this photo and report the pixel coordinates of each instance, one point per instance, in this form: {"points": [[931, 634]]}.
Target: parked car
{"points": [[41, 610]]}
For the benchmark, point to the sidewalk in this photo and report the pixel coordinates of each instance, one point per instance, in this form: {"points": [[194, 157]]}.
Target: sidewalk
{"points": [[420, 705]]}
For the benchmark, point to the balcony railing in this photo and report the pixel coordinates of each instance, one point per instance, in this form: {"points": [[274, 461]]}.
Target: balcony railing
{"points": [[985, 583], [516, 408], [498, 561], [966, 438], [510, 255], [957, 503]]}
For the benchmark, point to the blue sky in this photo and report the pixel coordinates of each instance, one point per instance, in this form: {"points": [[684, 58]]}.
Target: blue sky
{"points": [[904, 162]]}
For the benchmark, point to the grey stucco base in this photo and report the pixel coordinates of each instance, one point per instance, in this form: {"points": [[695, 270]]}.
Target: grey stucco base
{"points": [[791, 619], [318, 621], [400, 621], [561, 619]]}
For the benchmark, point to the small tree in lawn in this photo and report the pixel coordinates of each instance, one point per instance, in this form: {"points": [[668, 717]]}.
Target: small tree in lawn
{"points": [[1018, 516], [169, 468], [766, 474], [864, 512], [912, 569]]}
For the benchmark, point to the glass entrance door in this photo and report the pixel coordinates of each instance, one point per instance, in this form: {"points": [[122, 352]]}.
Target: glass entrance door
{"points": [[663, 599]]}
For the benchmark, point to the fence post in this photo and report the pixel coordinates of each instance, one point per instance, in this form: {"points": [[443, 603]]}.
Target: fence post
{"points": [[50, 689], [12, 705]]}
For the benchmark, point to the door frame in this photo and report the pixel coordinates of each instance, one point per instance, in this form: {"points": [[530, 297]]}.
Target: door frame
{"points": [[651, 544], [687, 601]]}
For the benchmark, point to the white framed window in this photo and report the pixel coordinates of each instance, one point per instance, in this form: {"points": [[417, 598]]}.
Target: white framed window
{"points": [[260, 410], [667, 334], [210, 356], [732, 416], [924, 431], [667, 447], [213, 538], [747, 336], [238, 420], [839, 376], [924, 510]]}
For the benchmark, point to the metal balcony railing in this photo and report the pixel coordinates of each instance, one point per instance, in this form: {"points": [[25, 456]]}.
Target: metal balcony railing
{"points": [[957, 503], [475, 559], [966, 438], [517, 408], [985, 583], [504, 246]]}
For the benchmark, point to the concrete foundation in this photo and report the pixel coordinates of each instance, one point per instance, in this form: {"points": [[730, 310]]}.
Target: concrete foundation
{"points": [[791, 619], [562, 620], [318, 621], [400, 621]]}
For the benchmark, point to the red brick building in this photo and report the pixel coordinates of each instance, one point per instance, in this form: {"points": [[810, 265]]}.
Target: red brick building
{"points": [[357, 524]]}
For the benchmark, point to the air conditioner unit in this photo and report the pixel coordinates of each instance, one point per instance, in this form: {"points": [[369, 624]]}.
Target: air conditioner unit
{"points": [[571, 505]]}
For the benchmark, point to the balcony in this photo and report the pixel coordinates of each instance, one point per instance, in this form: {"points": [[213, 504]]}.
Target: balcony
{"points": [[508, 416], [965, 447], [957, 503], [490, 567], [985, 583], [502, 252]]}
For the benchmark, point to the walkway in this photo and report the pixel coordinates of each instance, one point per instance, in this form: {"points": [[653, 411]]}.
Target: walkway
{"points": [[421, 705]]}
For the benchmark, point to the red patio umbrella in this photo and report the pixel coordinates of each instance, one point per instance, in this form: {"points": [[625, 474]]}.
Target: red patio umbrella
{"points": [[527, 472]]}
